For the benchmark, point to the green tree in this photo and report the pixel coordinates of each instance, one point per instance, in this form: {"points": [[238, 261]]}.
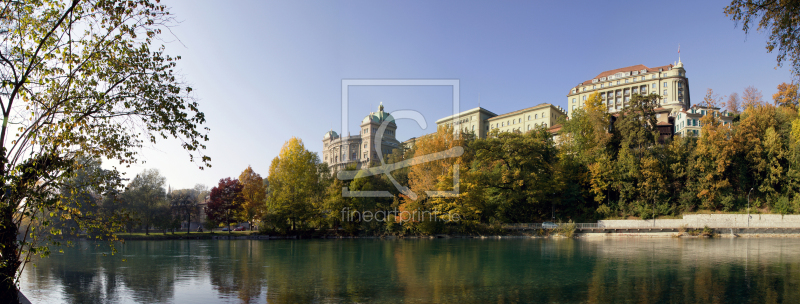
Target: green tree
{"points": [[520, 174], [79, 78], [295, 188], [185, 203], [146, 197]]}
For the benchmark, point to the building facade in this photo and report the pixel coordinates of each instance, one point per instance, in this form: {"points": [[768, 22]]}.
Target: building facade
{"points": [[687, 121], [543, 115], [481, 121], [470, 121], [617, 86], [339, 152]]}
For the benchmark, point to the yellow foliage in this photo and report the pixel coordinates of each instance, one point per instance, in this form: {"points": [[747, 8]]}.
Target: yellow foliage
{"points": [[594, 104], [786, 95]]}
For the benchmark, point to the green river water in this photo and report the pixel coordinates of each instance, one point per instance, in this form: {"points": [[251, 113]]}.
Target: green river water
{"points": [[627, 270]]}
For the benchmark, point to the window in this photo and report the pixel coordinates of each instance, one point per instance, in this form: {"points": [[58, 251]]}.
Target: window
{"points": [[473, 127], [654, 86], [602, 85], [626, 98], [537, 115], [617, 83], [665, 84], [680, 85], [529, 126], [584, 97], [529, 117], [573, 107], [573, 100], [365, 145], [653, 77], [502, 124], [626, 81], [583, 89], [634, 90], [642, 80], [665, 92], [593, 87]]}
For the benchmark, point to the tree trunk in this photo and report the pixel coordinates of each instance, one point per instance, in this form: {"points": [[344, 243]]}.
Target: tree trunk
{"points": [[9, 256]]}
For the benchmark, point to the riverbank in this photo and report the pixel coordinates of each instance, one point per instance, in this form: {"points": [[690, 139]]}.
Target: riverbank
{"points": [[511, 234]]}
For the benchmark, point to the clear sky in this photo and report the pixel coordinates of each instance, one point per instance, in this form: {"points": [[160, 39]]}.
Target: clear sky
{"points": [[264, 71]]}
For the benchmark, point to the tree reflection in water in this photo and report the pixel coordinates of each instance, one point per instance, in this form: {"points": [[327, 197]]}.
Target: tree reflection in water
{"points": [[423, 270]]}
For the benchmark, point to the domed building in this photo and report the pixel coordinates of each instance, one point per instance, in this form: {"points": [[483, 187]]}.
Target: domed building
{"points": [[340, 151]]}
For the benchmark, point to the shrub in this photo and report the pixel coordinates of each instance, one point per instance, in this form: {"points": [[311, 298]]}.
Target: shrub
{"points": [[728, 203], [708, 231], [566, 229], [782, 205]]}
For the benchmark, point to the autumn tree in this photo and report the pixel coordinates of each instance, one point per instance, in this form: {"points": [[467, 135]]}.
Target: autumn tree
{"points": [[225, 202], [714, 155], [79, 78], [733, 104], [786, 95], [254, 193], [751, 97], [295, 188], [778, 18]]}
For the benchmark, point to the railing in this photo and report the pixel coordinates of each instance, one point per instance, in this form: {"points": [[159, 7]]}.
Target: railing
{"points": [[524, 226], [589, 226]]}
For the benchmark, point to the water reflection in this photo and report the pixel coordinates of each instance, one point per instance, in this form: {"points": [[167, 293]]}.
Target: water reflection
{"points": [[423, 271]]}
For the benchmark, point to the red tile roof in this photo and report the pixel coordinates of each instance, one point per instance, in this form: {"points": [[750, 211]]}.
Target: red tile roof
{"points": [[541, 105], [632, 68]]}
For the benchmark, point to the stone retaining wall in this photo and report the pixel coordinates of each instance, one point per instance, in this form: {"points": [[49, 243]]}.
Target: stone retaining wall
{"points": [[712, 221]]}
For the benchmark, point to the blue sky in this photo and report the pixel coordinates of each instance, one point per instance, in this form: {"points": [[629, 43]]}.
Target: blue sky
{"points": [[264, 71]]}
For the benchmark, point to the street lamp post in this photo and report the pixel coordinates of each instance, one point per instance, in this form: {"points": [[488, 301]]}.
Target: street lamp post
{"points": [[654, 213], [748, 207]]}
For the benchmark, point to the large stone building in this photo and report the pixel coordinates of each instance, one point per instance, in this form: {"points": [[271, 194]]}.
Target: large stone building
{"points": [[617, 86], [543, 115], [359, 151], [481, 121], [470, 121]]}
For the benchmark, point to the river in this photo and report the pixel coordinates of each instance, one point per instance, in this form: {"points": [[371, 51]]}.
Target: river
{"points": [[625, 270]]}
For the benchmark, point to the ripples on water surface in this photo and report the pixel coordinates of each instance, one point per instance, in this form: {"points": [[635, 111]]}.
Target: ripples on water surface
{"points": [[423, 271]]}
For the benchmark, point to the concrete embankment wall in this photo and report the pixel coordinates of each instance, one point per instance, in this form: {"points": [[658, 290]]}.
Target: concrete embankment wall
{"points": [[712, 221]]}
